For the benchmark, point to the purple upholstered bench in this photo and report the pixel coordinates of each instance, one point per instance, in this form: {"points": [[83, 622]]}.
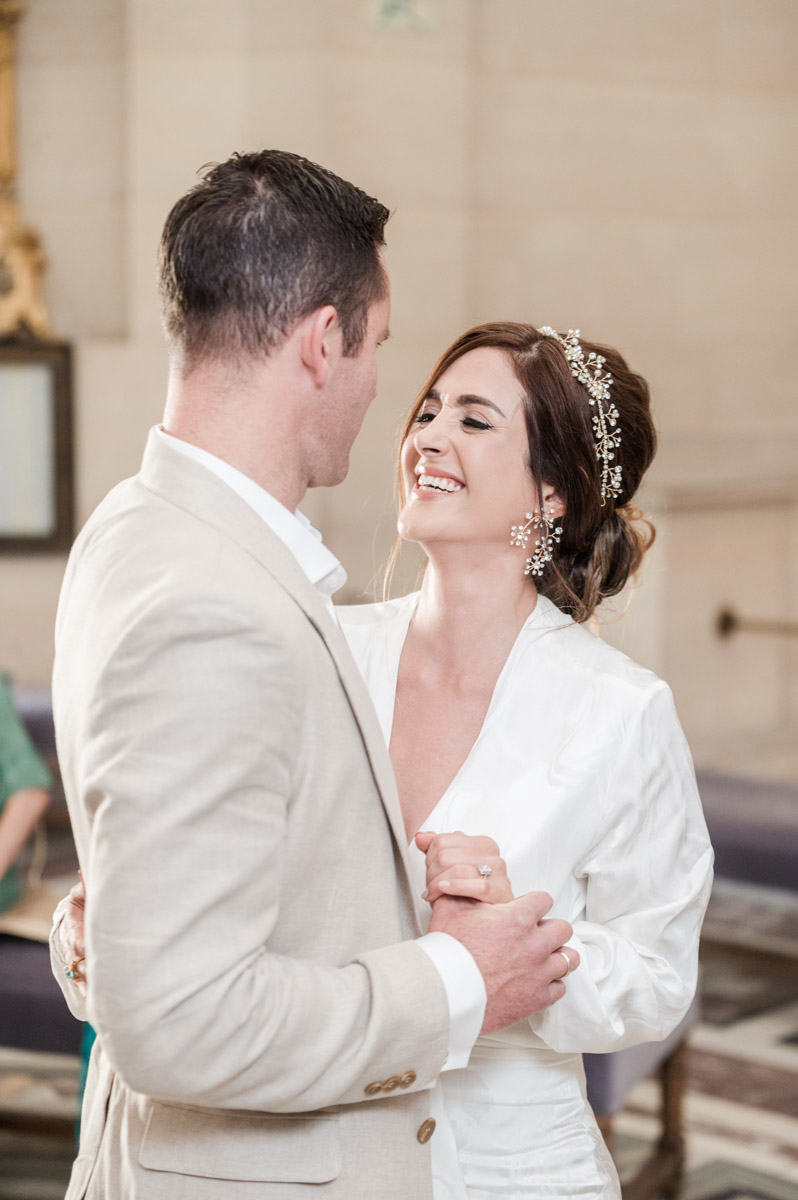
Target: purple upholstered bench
{"points": [[33, 1013], [753, 825]]}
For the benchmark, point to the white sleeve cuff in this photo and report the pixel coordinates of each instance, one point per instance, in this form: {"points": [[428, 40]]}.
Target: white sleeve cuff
{"points": [[465, 992]]}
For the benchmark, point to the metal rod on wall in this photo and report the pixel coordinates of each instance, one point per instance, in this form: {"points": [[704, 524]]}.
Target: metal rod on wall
{"points": [[728, 622]]}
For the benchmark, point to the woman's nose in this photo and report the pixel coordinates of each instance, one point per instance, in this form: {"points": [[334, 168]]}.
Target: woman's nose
{"points": [[430, 438]]}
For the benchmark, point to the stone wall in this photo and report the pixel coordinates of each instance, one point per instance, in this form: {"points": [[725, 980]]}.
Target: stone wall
{"points": [[623, 167]]}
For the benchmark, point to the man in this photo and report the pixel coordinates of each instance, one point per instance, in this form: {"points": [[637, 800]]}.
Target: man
{"points": [[269, 1020]]}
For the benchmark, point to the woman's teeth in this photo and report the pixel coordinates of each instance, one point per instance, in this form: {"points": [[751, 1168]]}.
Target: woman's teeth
{"points": [[439, 484]]}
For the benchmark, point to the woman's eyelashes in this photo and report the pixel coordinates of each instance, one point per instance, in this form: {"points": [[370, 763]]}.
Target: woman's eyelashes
{"points": [[425, 417]]}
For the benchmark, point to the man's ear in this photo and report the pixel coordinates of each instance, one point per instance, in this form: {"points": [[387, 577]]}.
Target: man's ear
{"points": [[320, 343]]}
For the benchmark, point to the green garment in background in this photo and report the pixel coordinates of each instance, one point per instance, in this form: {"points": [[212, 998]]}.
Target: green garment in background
{"points": [[21, 767]]}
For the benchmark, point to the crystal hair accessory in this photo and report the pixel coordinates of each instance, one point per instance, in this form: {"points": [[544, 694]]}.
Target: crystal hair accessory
{"points": [[607, 432], [544, 545]]}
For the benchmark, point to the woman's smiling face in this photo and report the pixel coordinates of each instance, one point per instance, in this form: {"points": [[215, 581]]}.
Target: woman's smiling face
{"points": [[465, 460]]}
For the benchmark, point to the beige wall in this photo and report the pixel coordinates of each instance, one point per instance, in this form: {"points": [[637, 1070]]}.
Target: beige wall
{"points": [[623, 167]]}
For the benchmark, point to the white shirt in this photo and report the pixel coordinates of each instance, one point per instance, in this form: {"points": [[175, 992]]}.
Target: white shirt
{"points": [[462, 980]]}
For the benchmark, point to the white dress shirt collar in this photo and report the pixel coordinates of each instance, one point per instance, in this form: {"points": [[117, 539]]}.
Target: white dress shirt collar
{"points": [[293, 529]]}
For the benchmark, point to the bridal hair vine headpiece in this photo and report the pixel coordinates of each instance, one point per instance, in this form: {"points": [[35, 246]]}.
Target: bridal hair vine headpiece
{"points": [[590, 373]]}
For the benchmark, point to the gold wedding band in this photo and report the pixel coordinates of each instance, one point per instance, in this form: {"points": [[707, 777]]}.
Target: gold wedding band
{"points": [[567, 958]]}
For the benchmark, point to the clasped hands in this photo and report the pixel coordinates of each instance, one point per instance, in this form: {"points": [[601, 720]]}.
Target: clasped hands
{"points": [[521, 953]]}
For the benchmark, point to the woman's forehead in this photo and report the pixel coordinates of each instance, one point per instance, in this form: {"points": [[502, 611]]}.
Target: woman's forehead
{"points": [[485, 371]]}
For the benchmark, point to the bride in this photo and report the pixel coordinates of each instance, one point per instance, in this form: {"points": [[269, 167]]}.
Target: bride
{"points": [[529, 753], [507, 717]]}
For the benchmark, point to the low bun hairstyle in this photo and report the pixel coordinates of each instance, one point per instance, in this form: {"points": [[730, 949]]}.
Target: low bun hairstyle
{"points": [[602, 545]]}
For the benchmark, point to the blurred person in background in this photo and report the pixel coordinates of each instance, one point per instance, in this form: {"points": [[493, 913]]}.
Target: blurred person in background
{"points": [[25, 787]]}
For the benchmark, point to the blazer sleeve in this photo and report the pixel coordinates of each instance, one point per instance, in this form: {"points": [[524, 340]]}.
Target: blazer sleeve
{"points": [[648, 877], [188, 760]]}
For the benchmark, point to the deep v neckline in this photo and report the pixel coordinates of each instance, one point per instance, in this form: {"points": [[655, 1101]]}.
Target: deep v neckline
{"points": [[393, 679]]}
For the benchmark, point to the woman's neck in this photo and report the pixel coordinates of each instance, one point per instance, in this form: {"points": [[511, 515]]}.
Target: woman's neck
{"points": [[470, 611]]}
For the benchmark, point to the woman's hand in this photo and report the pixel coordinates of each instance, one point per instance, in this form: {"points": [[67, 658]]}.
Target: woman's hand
{"points": [[70, 936], [457, 866]]}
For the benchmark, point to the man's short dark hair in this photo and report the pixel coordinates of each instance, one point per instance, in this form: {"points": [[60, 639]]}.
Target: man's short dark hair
{"points": [[261, 241]]}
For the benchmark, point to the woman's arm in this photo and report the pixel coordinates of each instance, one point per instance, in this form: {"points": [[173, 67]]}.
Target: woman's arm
{"points": [[18, 819], [647, 878]]}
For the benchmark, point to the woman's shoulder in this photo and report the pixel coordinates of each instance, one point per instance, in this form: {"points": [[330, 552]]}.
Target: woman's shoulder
{"points": [[581, 651]]}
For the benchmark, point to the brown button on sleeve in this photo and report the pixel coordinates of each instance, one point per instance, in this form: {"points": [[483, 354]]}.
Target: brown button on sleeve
{"points": [[426, 1130], [371, 1089], [408, 1079], [391, 1084]]}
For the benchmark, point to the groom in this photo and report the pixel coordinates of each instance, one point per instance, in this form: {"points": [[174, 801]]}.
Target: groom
{"points": [[269, 1020]]}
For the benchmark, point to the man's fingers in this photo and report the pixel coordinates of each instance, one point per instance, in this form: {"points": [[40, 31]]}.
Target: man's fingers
{"points": [[556, 991], [537, 905], [557, 932], [561, 953]]}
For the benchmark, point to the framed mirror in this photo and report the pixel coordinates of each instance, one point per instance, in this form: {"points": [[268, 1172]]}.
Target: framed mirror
{"points": [[36, 447]]}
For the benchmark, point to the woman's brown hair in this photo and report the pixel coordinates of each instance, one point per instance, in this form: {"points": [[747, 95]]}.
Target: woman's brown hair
{"points": [[602, 545]]}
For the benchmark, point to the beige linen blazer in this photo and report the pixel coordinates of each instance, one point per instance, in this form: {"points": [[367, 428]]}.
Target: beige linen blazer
{"points": [[266, 1024]]}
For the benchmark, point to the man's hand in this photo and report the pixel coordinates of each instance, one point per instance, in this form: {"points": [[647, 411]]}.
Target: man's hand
{"points": [[70, 935], [519, 953], [456, 865]]}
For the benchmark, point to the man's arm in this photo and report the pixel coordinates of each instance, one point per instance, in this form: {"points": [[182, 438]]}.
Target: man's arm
{"points": [[188, 767]]}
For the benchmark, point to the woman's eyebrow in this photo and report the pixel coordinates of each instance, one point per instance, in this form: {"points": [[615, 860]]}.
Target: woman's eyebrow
{"points": [[466, 399]]}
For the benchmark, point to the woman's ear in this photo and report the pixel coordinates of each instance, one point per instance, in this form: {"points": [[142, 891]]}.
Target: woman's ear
{"points": [[320, 342], [553, 500]]}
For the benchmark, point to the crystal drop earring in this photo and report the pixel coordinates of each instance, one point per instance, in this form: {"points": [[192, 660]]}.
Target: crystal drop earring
{"points": [[550, 535]]}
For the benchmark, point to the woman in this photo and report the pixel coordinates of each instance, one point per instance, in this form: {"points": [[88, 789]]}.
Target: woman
{"points": [[506, 717], [512, 727]]}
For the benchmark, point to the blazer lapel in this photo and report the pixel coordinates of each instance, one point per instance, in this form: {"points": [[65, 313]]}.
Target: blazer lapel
{"points": [[190, 486]]}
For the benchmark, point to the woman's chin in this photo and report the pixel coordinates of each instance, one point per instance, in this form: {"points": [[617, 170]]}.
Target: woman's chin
{"points": [[405, 529], [416, 522]]}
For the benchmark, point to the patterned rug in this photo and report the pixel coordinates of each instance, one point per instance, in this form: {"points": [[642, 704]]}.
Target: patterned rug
{"points": [[741, 1109], [742, 1103]]}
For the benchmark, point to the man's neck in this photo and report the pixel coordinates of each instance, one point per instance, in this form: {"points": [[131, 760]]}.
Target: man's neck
{"points": [[242, 422]]}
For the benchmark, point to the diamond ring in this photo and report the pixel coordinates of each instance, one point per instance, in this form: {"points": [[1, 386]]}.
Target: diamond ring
{"points": [[485, 871]]}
